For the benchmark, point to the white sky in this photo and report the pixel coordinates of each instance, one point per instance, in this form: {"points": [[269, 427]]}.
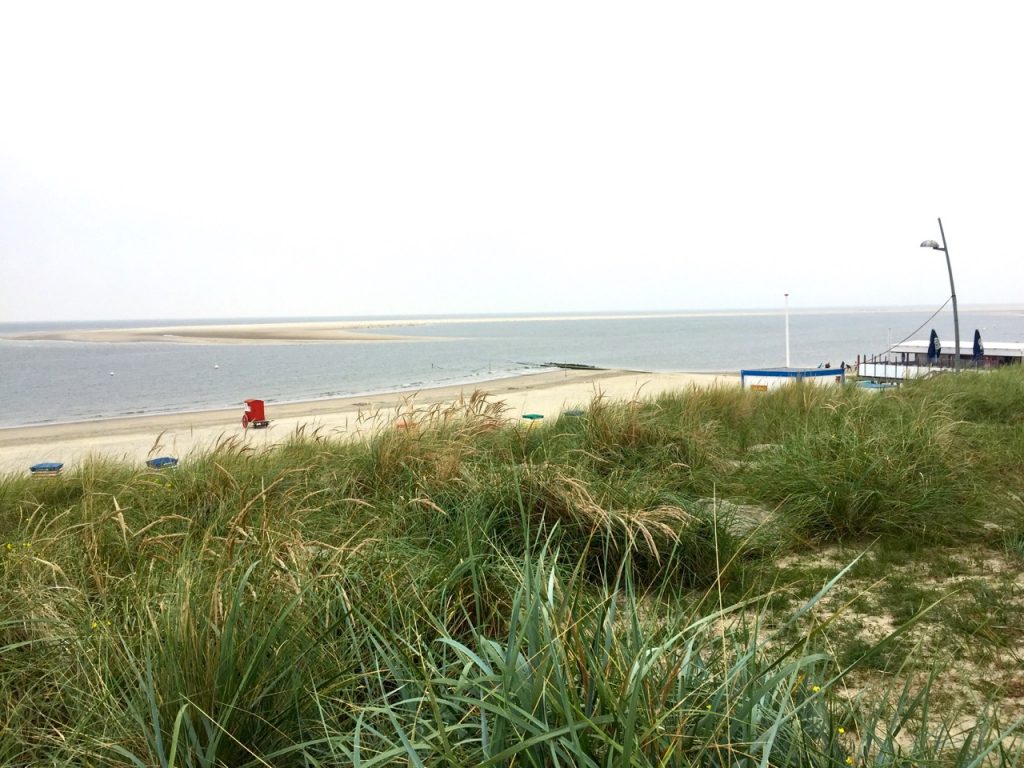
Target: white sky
{"points": [[209, 160]]}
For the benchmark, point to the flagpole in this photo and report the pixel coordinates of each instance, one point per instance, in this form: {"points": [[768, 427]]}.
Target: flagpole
{"points": [[787, 330]]}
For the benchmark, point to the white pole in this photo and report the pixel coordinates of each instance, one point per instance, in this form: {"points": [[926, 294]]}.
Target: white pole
{"points": [[787, 330]]}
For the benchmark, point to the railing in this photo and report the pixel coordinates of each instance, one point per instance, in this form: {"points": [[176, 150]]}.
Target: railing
{"points": [[887, 368], [890, 370]]}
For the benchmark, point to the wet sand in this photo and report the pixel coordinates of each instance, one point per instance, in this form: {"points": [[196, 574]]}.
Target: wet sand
{"points": [[181, 434]]}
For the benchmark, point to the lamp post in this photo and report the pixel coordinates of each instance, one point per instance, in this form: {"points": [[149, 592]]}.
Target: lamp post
{"points": [[952, 290]]}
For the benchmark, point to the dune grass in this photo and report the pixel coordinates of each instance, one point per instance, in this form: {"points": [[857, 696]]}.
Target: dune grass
{"points": [[604, 590]]}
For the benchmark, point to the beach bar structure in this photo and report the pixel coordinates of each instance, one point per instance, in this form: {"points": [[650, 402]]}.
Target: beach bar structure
{"points": [[911, 359], [994, 354], [766, 379]]}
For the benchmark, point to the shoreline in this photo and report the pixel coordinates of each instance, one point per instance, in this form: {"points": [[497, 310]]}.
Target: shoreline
{"points": [[307, 401], [136, 438]]}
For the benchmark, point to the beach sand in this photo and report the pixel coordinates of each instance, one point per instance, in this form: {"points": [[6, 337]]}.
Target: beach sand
{"points": [[181, 434]]}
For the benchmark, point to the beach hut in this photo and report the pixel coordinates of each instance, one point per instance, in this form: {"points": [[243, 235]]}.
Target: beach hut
{"points": [[766, 379]]}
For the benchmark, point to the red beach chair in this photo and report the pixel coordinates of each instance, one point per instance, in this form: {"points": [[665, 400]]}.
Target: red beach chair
{"points": [[254, 416]]}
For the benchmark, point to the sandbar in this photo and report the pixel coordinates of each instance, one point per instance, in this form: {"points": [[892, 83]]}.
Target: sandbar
{"points": [[136, 439], [372, 329], [368, 330], [250, 333]]}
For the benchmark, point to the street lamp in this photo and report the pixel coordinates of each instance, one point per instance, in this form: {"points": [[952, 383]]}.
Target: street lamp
{"points": [[956, 317]]}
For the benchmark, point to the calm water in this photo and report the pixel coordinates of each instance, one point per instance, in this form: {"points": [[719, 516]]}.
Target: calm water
{"points": [[53, 381]]}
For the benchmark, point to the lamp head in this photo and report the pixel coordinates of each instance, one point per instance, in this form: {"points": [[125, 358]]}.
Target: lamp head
{"points": [[931, 244]]}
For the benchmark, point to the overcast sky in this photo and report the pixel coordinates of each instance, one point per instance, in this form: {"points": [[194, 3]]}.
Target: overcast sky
{"points": [[209, 160]]}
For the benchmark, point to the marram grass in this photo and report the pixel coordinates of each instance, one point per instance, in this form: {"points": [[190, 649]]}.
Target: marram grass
{"points": [[586, 593]]}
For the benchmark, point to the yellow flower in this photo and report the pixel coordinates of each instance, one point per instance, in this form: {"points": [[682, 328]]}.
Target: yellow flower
{"points": [[707, 706], [816, 688], [842, 730], [9, 546], [94, 625], [849, 761]]}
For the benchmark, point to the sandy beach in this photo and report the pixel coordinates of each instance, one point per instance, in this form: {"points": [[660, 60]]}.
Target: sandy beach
{"points": [[181, 434]]}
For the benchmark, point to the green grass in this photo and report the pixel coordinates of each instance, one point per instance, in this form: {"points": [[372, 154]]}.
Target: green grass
{"points": [[655, 583]]}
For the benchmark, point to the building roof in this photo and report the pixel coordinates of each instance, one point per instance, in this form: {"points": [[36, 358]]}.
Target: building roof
{"points": [[784, 371], [992, 348]]}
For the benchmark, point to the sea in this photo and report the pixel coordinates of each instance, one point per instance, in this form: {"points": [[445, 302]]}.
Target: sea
{"points": [[45, 382]]}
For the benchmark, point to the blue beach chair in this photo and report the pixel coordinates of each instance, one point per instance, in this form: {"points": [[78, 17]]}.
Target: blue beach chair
{"points": [[46, 469]]}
